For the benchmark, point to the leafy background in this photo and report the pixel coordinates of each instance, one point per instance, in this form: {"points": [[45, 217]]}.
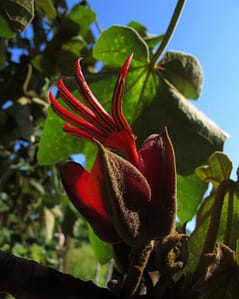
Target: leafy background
{"points": [[37, 221]]}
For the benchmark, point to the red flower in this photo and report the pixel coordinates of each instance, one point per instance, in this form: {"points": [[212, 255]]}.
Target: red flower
{"points": [[96, 124], [129, 200]]}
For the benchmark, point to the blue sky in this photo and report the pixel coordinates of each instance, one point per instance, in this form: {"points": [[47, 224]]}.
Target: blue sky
{"points": [[207, 30]]}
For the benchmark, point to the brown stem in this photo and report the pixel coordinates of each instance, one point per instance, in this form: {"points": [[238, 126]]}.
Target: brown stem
{"points": [[227, 236], [211, 237], [139, 260]]}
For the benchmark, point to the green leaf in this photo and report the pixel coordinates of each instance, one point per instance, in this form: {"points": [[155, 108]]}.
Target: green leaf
{"points": [[150, 39], [141, 29], [184, 72], [139, 88], [18, 13], [187, 126], [37, 253], [102, 250], [46, 8], [219, 168], [118, 42], [190, 191], [83, 17]]}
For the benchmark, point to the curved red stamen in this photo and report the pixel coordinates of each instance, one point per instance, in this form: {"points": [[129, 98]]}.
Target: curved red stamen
{"points": [[90, 99], [79, 108], [92, 121], [117, 112], [74, 120], [82, 133]]}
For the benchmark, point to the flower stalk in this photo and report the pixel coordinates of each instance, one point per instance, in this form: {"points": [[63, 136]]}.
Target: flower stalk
{"points": [[139, 259]]}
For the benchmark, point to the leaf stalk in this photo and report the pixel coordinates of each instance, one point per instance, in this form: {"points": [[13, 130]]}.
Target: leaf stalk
{"points": [[169, 32]]}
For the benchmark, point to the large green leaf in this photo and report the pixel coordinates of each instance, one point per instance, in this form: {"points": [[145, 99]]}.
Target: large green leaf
{"points": [[18, 13], [184, 72], [118, 42], [141, 86], [188, 128]]}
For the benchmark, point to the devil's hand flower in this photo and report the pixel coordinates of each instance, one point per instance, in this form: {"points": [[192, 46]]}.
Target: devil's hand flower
{"points": [[128, 200]]}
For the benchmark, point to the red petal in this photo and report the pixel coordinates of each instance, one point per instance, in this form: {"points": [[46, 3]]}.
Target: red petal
{"points": [[83, 189], [157, 163]]}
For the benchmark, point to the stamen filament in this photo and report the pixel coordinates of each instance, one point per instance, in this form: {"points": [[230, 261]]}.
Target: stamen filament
{"points": [[117, 112], [90, 99], [79, 108], [80, 133], [74, 120]]}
